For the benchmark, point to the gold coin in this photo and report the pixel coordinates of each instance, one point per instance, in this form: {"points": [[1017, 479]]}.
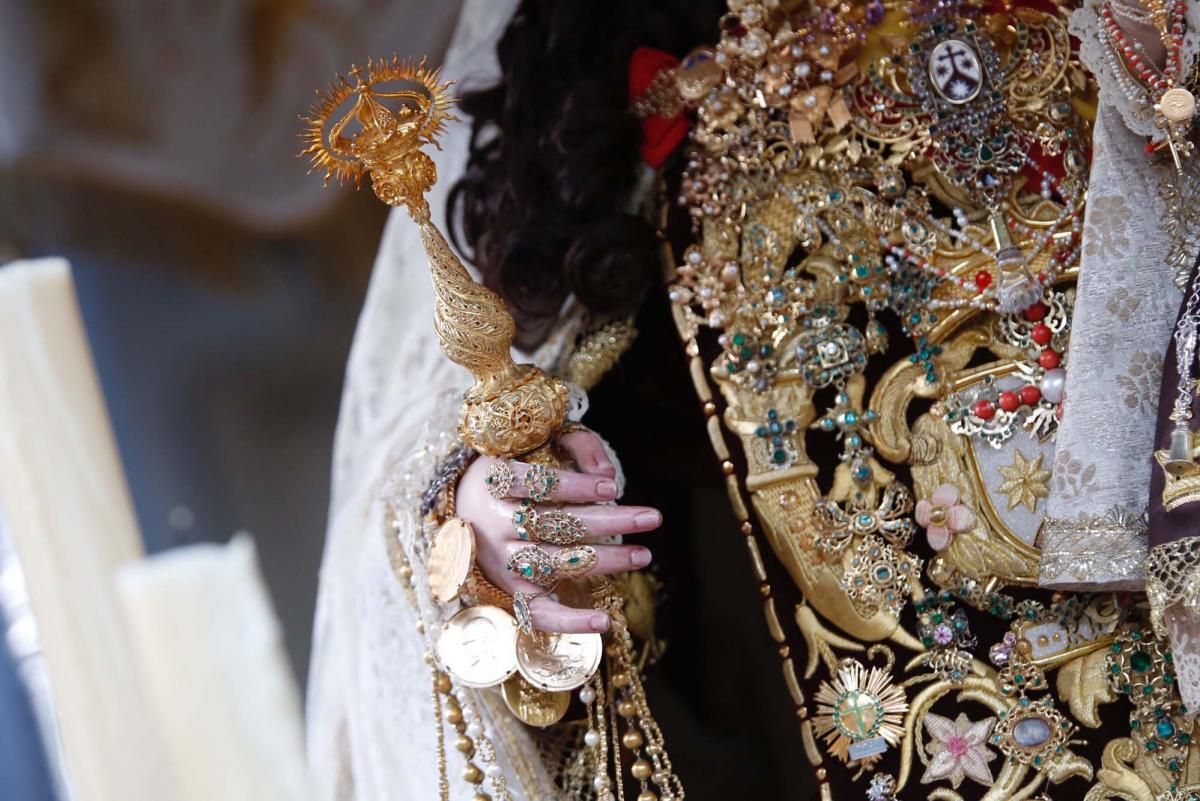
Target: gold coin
{"points": [[533, 706], [1178, 104], [557, 662], [478, 646], [450, 559]]}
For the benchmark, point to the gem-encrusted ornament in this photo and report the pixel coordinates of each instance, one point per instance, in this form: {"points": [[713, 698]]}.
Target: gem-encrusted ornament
{"points": [[859, 712], [1141, 667], [947, 208]]}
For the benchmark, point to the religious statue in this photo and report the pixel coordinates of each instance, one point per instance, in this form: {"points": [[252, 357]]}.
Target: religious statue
{"points": [[859, 314]]}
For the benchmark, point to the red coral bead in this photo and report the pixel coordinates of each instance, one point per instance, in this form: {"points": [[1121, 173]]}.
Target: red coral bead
{"points": [[983, 409], [1009, 401], [1049, 359], [1030, 395], [1036, 312], [983, 279], [1041, 334]]}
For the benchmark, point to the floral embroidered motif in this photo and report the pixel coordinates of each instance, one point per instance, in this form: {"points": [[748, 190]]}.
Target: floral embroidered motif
{"points": [[958, 750], [1141, 383], [1072, 476], [1107, 227], [942, 516]]}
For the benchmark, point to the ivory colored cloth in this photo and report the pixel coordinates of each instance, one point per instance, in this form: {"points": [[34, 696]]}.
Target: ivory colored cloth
{"points": [[1094, 536]]}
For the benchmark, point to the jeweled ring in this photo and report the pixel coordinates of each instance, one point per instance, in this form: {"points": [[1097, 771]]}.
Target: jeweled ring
{"points": [[499, 479], [534, 565], [521, 601], [546, 569], [524, 519], [540, 482], [575, 562], [557, 527]]}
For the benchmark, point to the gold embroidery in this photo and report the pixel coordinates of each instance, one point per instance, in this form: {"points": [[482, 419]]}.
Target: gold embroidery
{"points": [[1025, 481]]}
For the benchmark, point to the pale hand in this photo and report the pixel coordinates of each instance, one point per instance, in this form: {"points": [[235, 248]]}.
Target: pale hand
{"points": [[584, 494]]}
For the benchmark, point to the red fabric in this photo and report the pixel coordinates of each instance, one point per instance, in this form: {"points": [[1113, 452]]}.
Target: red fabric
{"points": [[660, 135]]}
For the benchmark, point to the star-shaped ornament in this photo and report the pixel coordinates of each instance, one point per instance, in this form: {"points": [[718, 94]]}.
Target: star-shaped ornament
{"points": [[1025, 481]]}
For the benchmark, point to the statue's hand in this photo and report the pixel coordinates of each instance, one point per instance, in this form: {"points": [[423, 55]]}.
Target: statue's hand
{"points": [[585, 495]]}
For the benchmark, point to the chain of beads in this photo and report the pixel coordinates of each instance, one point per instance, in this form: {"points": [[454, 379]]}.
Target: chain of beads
{"points": [[1170, 24]]}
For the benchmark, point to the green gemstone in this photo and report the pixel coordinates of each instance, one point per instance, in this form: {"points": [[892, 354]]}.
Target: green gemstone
{"points": [[1141, 661]]}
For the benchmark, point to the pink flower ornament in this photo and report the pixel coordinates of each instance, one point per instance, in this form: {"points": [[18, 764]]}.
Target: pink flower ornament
{"points": [[942, 515]]}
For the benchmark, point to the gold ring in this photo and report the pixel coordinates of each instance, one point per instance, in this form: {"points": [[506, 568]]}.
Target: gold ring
{"points": [[524, 519], [521, 612], [540, 482], [546, 569], [557, 527], [499, 479]]}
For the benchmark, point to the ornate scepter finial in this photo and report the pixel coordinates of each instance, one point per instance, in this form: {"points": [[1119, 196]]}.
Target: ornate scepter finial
{"points": [[512, 409]]}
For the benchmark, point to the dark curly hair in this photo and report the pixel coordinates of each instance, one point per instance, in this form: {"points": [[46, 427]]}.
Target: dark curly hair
{"points": [[542, 207]]}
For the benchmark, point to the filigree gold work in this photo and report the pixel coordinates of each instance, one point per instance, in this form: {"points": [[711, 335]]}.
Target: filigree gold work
{"points": [[512, 409]]}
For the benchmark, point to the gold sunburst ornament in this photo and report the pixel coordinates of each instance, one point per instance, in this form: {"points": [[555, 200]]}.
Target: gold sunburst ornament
{"points": [[859, 713], [398, 106]]}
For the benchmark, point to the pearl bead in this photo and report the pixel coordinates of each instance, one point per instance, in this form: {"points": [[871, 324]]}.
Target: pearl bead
{"points": [[632, 740], [592, 738], [474, 729], [587, 695], [626, 709], [464, 744], [472, 773], [493, 771], [641, 769], [600, 783], [1053, 383]]}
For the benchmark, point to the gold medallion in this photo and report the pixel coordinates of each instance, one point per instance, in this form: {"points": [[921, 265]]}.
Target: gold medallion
{"points": [[533, 706], [450, 559], [1178, 104], [557, 662], [478, 646]]}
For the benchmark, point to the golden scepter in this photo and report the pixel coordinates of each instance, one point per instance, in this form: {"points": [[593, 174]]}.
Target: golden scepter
{"points": [[513, 410]]}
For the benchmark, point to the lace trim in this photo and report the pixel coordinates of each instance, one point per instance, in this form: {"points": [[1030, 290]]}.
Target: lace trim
{"points": [[1094, 553], [1138, 115], [1173, 576]]}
